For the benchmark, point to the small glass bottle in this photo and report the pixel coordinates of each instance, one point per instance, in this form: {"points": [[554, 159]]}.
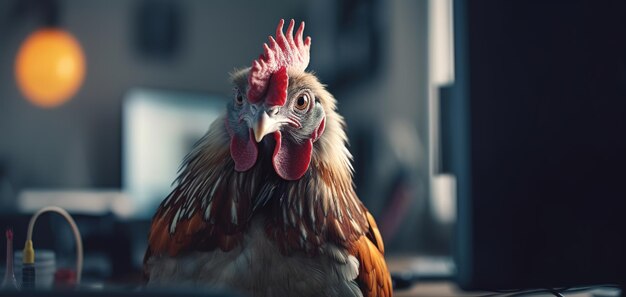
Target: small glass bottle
{"points": [[9, 282]]}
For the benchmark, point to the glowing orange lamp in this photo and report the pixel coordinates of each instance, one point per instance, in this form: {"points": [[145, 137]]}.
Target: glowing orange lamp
{"points": [[50, 67]]}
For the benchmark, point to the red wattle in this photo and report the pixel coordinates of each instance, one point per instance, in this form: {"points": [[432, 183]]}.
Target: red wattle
{"points": [[243, 151], [277, 90], [291, 160]]}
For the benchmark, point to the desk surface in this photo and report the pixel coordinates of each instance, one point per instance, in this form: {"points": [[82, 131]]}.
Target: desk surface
{"points": [[434, 289], [407, 263], [448, 289], [401, 264]]}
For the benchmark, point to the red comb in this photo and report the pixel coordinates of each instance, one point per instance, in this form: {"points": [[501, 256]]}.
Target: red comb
{"points": [[289, 52]]}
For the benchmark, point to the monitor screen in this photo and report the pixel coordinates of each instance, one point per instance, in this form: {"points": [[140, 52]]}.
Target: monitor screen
{"points": [[535, 137], [159, 129]]}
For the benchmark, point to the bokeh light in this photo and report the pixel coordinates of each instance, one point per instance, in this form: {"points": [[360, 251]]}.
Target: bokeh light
{"points": [[50, 67]]}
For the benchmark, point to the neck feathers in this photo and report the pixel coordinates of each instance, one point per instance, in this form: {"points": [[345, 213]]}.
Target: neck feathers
{"points": [[213, 204]]}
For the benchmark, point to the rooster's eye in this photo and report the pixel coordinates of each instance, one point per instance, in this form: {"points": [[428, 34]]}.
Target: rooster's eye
{"points": [[302, 103], [239, 99]]}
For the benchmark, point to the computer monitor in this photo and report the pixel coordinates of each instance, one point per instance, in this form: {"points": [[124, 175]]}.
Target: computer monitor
{"points": [[534, 130], [159, 128]]}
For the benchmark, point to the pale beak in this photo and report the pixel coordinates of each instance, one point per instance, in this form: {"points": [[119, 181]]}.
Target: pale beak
{"points": [[263, 126]]}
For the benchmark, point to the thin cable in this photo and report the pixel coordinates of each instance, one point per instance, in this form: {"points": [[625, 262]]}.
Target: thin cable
{"points": [[556, 293], [559, 292], [70, 220]]}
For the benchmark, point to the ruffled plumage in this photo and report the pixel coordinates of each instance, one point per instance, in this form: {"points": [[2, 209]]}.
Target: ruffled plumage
{"points": [[213, 205]]}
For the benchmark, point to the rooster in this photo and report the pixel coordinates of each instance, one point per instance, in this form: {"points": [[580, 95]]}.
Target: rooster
{"points": [[265, 202]]}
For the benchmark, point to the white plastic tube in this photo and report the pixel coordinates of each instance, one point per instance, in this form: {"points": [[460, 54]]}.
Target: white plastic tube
{"points": [[72, 223]]}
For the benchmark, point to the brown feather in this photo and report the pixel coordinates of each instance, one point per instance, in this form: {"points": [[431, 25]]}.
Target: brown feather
{"points": [[373, 278], [207, 182]]}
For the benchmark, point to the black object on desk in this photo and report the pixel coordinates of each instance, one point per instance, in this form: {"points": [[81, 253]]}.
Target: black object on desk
{"points": [[536, 137]]}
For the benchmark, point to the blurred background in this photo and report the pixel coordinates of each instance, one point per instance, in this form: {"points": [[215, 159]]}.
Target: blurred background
{"points": [[146, 78]]}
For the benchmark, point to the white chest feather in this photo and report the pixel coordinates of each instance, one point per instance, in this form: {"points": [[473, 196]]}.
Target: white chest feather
{"points": [[257, 268]]}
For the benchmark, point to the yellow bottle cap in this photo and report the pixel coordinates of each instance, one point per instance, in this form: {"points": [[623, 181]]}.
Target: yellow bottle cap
{"points": [[29, 253]]}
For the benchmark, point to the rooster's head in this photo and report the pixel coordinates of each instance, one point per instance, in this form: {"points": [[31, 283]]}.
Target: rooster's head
{"points": [[277, 102]]}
